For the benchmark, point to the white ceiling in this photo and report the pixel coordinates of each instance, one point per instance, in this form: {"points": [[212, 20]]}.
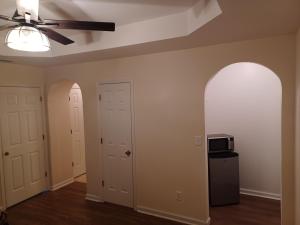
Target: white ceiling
{"points": [[145, 26], [137, 21], [120, 11]]}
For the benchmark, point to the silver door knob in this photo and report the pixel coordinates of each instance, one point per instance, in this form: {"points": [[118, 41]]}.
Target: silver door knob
{"points": [[128, 153]]}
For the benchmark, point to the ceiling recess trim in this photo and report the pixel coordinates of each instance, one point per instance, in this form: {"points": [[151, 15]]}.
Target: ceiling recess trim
{"points": [[162, 28]]}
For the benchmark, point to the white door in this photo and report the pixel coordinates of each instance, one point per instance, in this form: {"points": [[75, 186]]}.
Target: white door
{"points": [[22, 143], [77, 130], [115, 109]]}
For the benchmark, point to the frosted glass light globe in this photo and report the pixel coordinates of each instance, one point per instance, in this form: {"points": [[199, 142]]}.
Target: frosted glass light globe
{"points": [[27, 38]]}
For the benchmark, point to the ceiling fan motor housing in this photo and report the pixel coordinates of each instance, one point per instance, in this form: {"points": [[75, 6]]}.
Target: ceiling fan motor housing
{"points": [[30, 7]]}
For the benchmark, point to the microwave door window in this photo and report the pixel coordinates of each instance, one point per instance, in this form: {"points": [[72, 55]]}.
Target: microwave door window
{"points": [[219, 144]]}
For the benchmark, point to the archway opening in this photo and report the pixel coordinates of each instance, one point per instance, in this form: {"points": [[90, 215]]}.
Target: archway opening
{"points": [[244, 100], [66, 134]]}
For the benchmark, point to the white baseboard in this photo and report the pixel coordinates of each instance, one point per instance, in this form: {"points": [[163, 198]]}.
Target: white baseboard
{"points": [[64, 183], [172, 216], [93, 198], [260, 194], [208, 220]]}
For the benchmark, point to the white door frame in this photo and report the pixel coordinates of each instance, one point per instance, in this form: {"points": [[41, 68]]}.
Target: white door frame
{"points": [[100, 132], [46, 153]]}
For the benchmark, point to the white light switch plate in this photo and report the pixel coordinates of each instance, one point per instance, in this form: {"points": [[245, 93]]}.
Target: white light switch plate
{"points": [[198, 140]]}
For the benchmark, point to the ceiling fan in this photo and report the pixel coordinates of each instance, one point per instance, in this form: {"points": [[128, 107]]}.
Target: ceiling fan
{"points": [[31, 32]]}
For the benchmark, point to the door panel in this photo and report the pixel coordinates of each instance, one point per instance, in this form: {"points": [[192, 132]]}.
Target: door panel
{"points": [[76, 154], [14, 127], [17, 172], [22, 143], [32, 124], [11, 99], [35, 167], [115, 109], [77, 127]]}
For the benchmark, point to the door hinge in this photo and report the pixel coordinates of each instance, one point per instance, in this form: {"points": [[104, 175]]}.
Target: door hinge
{"points": [[44, 137], [46, 174], [72, 164], [41, 98], [100, 97], [101, 140], [102, 183], [71, 131], [69, 98]]}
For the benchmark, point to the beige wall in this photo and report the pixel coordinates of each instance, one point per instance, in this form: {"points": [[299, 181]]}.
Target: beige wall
{"points": [[297, 158], [19, 75], [60, 141], [169, 112]]}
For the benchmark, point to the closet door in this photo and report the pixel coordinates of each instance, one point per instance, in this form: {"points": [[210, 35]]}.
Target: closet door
{"points": [[22, 143], [115, 109]]}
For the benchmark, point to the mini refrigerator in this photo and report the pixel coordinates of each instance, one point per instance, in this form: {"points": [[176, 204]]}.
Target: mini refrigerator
{"points": [[224, 185]]}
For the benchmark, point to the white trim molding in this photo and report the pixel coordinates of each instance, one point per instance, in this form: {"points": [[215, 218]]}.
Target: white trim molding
{"points": [[62, 184], [261, 194], [172, 216], [93, 198]]}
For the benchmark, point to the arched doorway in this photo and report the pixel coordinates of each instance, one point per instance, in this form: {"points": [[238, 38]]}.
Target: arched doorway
{"points": [[245, 100], [66, 132]]}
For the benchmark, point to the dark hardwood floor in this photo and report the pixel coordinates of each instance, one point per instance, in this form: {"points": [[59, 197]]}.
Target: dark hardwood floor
{"points": [[68, 207], [250, 211]]}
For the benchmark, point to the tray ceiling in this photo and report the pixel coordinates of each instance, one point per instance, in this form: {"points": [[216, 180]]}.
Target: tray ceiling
{"points": [[137, 21]]}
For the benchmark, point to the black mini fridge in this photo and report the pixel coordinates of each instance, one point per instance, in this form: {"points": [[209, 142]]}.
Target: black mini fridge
{"points": [[224, 185]]}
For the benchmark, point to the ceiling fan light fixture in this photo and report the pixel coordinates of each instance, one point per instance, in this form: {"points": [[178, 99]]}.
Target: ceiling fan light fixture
{"points": [[27, 38], [28, 6]]}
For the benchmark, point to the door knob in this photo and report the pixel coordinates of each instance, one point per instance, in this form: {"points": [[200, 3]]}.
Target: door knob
{"points": [[6, 153], [128, 153]]}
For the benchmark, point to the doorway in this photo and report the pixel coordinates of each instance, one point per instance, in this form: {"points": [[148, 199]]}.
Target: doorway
{"points": [[22, 136], [245, 100], [77, 132], [115, 110], [67, 137]]}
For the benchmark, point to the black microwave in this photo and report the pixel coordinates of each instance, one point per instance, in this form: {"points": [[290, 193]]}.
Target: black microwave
{"points": [[220, 143]]}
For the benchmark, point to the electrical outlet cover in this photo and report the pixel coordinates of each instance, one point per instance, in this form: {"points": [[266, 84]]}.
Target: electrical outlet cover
{"points": [[198, 140]]}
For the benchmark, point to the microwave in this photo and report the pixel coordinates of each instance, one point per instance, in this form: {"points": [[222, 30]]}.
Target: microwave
{"points": [[220, 143]]}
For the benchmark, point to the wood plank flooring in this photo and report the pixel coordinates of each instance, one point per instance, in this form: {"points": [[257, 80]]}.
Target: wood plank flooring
{"points": [[68, 207], [250, 211]]}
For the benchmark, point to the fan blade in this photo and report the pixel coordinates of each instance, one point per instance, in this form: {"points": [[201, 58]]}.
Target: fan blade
{"points": [[5, 18], [8, 26], [78, 25], [28, 6], [69, 10], [56, 36]]}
